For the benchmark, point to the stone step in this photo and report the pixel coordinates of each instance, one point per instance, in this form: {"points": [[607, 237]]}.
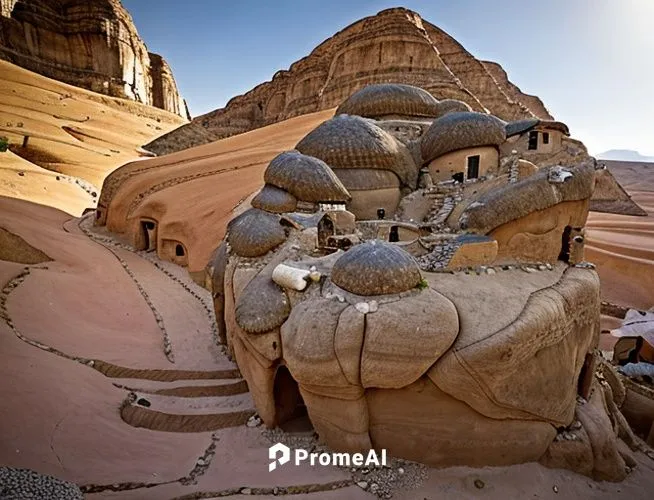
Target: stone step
{"points": [[183, 414], [186, 388]]}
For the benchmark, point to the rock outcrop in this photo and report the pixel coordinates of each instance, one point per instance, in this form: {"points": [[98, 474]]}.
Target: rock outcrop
{"points": [[89, 44], [395, 45]]}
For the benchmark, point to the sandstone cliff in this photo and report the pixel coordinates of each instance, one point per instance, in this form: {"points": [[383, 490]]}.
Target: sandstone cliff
{"points": [[396, 45], [92, 44]]}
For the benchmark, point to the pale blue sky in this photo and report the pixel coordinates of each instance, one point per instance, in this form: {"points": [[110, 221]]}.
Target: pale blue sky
{"points": [[590, 61]]}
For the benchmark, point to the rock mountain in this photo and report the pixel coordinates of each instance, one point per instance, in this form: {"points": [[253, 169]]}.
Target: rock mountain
{"points": [[91, 44], [396, 45]]}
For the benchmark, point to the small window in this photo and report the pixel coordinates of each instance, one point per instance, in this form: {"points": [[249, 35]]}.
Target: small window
{"points": [[394, 235], [533, 140], [179, 250], [473, 167], [546, 137]]}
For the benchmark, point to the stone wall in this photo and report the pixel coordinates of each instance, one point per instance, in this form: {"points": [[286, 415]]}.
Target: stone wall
{"points": [[89, 44]]}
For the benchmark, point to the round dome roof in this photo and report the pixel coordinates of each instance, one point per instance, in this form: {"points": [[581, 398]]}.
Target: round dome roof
{"points": [[461, 130], [306, 178], [452, 106], [376, 268], [383, 99], [348, 141], [262, 306], [275, 200], [255, 233]]}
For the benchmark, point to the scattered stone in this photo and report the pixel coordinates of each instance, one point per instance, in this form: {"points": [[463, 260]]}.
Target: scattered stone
{"points": [[253, 421], [143, 402], [555, 488], [362, 307], [363, 485], [25, 484], [246, 491], [479, 484]]}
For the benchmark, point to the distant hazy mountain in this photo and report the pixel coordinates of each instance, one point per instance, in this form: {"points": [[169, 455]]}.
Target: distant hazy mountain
{"points": [[624, 155]]}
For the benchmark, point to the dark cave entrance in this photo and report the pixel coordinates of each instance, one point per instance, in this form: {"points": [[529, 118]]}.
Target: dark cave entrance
{"points": [[290, 411], [565, 244]]}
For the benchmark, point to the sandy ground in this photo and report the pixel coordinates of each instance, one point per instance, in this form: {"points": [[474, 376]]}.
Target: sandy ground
{"points": [[622, 247], [76, 138], [97, 301]]}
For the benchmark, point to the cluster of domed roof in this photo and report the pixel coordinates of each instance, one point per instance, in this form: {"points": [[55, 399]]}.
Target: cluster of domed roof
{"points": [[350, 151]]}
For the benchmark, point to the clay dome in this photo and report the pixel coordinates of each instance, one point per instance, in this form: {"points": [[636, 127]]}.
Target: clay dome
{"points": [[275, 200], [262, 306], [376, 268], [348, 141], [255, 233], [447, 106], [375, 101], [307, 178], [456, 131]]}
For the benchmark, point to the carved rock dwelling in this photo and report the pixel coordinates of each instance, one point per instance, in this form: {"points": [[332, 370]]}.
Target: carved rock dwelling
{"points": [[412, 274]]}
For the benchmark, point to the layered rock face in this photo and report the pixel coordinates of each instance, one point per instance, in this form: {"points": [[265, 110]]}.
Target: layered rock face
{"points": [[396, 46], [90, 44]]}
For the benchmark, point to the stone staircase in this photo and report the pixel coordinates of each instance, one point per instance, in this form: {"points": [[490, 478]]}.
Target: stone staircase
{"points": [[187, 405], [444, 198]]}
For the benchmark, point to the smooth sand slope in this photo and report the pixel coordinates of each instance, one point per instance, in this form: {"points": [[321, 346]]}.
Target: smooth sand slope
{"points": [[192, 194], [622, 247], [84, 321], [76, 137]]}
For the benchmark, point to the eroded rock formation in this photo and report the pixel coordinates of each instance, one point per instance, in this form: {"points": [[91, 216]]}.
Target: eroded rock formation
{"points": [[395, 45], [453, 320], [90, 44]]}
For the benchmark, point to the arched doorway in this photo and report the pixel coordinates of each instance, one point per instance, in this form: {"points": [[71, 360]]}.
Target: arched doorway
{"points": [[148, 235]]}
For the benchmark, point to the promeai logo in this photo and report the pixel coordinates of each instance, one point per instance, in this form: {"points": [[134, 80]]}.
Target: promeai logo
{"points": [[279, 453]]}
